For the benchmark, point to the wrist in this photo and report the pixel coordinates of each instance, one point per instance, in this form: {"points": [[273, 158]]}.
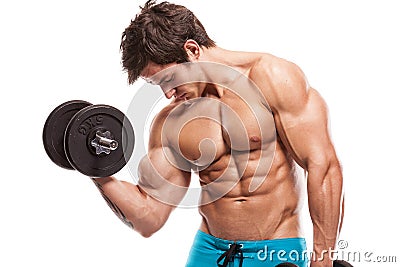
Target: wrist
{"points": [[322, 256]]}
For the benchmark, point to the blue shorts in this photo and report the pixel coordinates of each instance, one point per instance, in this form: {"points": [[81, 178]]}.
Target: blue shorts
{"points": [[210, 251]]}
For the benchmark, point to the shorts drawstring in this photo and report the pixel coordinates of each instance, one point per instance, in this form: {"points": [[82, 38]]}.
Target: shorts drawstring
{"points": [[227, 256]]}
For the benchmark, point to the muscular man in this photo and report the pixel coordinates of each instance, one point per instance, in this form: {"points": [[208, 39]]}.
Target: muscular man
{"points": [[258, 191]]}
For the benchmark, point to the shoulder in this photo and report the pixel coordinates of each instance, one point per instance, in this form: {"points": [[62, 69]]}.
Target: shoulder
{"points": [[278, 79], [161, 116], [157, 124], [276, 71]]}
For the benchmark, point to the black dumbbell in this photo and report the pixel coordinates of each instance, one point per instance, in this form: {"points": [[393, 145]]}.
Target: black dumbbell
{"points": [[340, 263], [336, 263], [96, 140]]}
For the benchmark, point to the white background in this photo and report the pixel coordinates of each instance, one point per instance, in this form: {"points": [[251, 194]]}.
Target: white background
{"points": [[53, 51]]}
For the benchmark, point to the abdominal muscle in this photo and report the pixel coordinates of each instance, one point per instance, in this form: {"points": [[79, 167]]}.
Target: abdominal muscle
{"points": [[270, 212], [246, 150]]}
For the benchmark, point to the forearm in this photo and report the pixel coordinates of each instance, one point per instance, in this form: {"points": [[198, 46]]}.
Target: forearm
{"points": [[325, 204], [130, 205]]}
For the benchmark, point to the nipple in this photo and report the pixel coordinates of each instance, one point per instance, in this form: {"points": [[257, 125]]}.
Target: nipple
{"points": [[255, 138]]}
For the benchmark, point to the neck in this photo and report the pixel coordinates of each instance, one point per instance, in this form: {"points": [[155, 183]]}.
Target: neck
{"points": [[240, 61], [212, 89], [234, 59]]}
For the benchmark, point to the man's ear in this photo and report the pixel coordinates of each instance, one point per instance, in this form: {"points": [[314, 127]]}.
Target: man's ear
{"points": [[192, 49]]}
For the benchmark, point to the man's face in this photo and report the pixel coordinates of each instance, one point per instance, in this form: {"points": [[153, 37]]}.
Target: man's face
{"points": [[172, 78]]}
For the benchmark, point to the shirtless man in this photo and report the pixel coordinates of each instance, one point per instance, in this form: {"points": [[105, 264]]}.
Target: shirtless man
{"points": [[244, 220]]}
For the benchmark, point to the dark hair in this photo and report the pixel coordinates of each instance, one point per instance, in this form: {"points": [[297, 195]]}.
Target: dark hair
{"points": [[158, 34]]}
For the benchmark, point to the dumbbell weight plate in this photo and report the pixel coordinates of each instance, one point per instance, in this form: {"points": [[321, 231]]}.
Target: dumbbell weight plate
{"points": [[54, 129], [340, 263], [82, 129]]}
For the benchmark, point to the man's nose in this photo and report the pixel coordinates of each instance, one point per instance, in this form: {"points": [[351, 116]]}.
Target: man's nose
{"points": [[170, 93]]}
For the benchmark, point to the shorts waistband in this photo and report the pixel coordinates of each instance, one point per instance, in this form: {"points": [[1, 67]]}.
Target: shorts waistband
{"points": [[203, 238]]}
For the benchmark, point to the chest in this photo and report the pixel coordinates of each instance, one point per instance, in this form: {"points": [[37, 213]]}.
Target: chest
{"points": [[208, 128]]}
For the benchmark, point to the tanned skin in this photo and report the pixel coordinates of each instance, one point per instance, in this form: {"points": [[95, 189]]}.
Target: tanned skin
{"points": [[272, 211]]}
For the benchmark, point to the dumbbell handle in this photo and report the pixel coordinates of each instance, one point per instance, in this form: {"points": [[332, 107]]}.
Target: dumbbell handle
{"points": [[103, 143]]}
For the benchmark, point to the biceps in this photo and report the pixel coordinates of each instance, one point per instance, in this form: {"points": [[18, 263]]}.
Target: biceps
{"points": [[163, 177]]}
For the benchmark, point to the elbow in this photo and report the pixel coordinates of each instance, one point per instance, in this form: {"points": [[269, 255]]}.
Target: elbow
{"points": [[327, 172], [323, 165], [148, 230], [149, 226], [146, 233], [335, 170]]}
